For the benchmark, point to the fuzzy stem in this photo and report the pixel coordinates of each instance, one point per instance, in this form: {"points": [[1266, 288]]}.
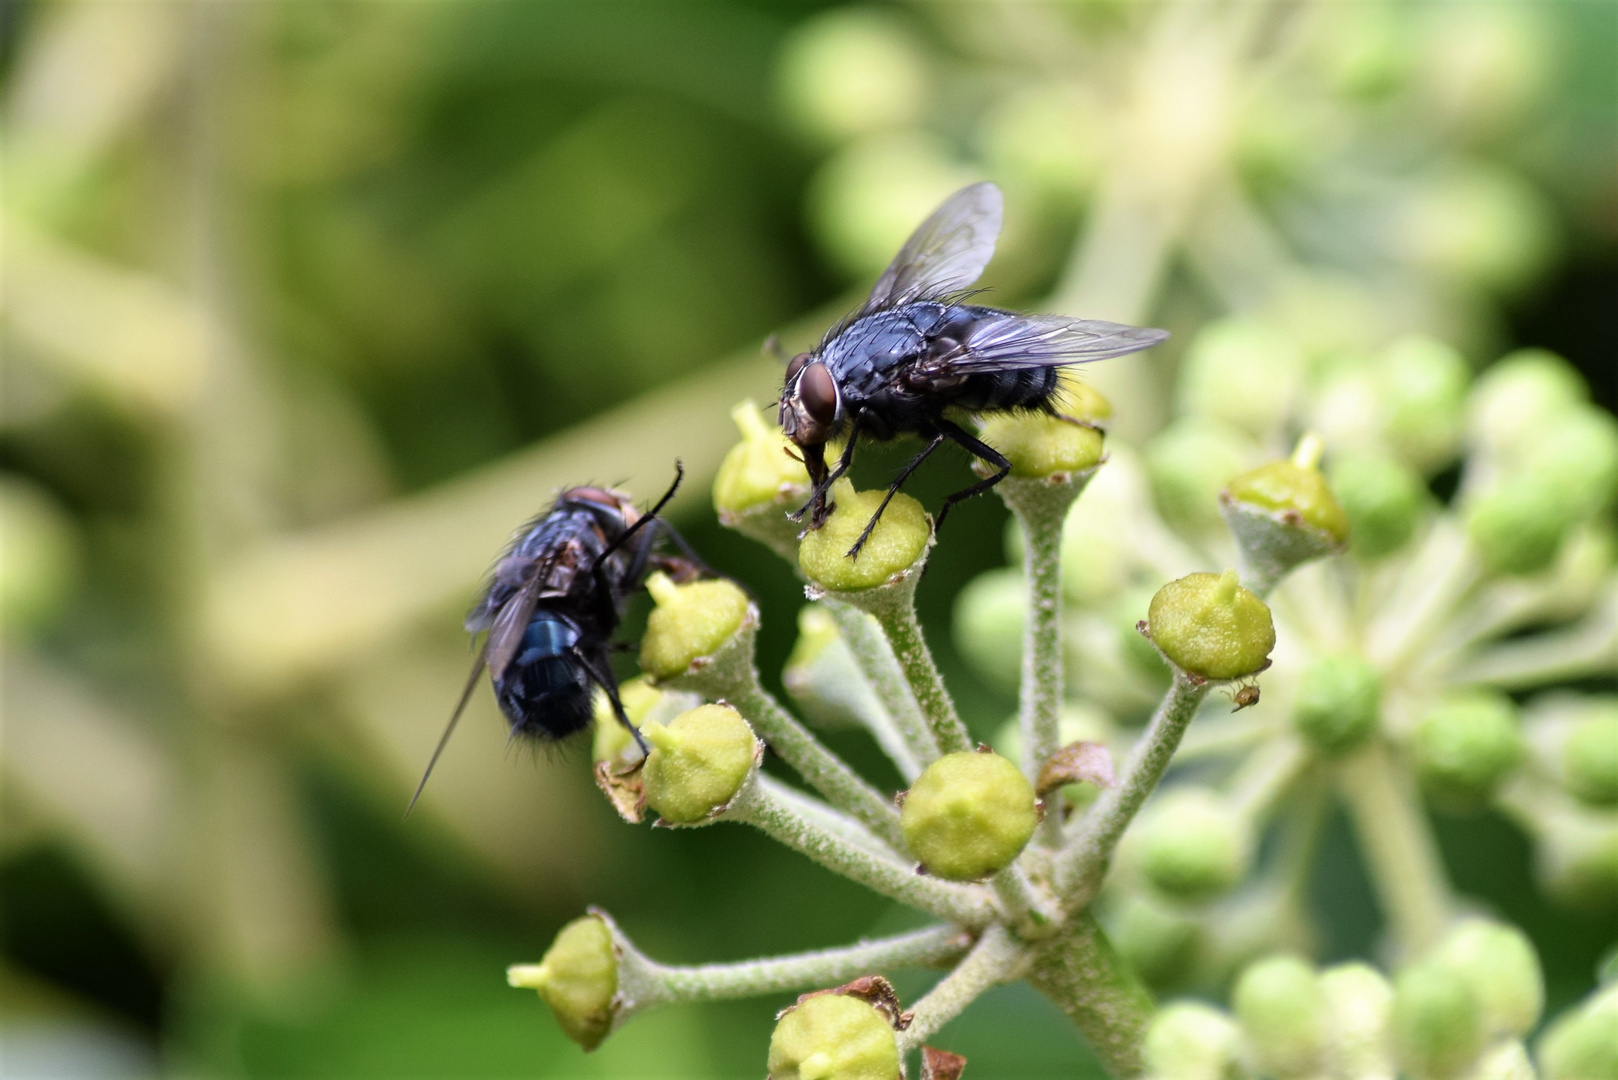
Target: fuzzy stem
{"points": [[644, 983], [881, 669], [1083, 862], [835, 821], [761, 804], [894, 607], [1398, 847], [1082, 973], [1029, 908], [993, 960]]}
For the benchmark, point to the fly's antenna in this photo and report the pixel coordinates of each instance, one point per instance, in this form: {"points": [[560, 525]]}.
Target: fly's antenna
{"points": [[650, 515], [454, 718]]}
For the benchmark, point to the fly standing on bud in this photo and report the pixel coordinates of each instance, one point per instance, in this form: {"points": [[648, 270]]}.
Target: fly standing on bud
{"points": [[552, 604], [915, 350]]}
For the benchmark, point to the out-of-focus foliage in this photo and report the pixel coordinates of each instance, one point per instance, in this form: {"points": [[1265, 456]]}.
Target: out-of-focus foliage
{"points": [[307, 304]]}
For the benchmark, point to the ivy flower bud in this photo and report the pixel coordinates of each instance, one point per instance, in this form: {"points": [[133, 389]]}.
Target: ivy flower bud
{"points": [[988, 625], [698, 763], [1194, 846], [1583, 1043], [1518, 528], [610, 741], [1191, 1041], [1590, 759], [968, 815], [1438, 1028], [1518, 397], [1161, 942], [690, 624], [1359, 1003], [577, 978], [833, 1037], [1421, 396], [1577, 456], [1500, 966], [1040, 446], [1211, 627], [1580, 860], [852, 71], [1282, 1012], [1189, 463], [1284, 513], [897, 543], [1339, 702], [760, 481], [1466, 745], [1242, 372], [1382, 500]]}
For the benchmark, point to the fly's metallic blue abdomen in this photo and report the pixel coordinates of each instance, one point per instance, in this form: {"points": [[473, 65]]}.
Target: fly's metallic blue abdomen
{"points": [[545, 692]]}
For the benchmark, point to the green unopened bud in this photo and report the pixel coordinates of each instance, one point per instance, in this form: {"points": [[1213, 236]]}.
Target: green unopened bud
{"points": [[1437, 1025], [1519, 396], [1518, 528], [1580, 860], [1480, 223], [577, 978], [1583, 1043], [611, 740], [1590, 759], [690, 624], [833, 1037], [1382, 499], [1577, 456], [968, 815], [1421, 386], [1283, 1017], [1505, 1060], [1295, 491], [1189, 463], [1192, 1041], [1339, 702], [988, 625], [41, 550], [1359, 1003], [698, 763], [1041, 446], [851, 71], [1194, 846], [1242, 372], [1160, 941], [1211, 627], [760, 481], [1499, 964], [899, 540], [1466, 745]]}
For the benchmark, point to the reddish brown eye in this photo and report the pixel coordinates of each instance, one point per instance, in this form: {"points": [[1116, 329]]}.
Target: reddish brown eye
{"points": [[796, 365], [596, 495], [818, 392]]}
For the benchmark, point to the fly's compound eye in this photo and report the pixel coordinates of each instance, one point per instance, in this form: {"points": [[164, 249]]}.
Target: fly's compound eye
{"points": [[818, 392], [796, 365]]}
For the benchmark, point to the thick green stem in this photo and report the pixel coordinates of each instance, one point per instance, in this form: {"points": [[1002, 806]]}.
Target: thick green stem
{"points": [[881, 669], [1083, 862], [993, 960], [1082, 973], [1398, 847], [761, 804]]}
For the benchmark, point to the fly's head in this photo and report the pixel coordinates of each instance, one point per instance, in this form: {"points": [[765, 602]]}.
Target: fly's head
{"points": [[811, 410]]}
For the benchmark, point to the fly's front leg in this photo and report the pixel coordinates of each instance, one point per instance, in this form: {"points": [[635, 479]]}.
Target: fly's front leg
{"points": [[893, 489]]}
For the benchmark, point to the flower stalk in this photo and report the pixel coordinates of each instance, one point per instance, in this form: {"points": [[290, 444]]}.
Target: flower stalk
{"points": [[881, 669], [993, 960]]}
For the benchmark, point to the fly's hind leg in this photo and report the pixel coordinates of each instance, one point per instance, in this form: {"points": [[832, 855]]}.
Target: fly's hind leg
{"points": [[893, 489], [978, 449], [610, 685]]}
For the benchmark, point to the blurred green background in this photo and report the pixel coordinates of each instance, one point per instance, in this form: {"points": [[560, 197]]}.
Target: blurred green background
{"points": [[308, 303]]}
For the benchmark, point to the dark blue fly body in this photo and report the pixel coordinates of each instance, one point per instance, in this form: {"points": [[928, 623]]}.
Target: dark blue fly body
{"points": [[916, 349], [552, 605]]}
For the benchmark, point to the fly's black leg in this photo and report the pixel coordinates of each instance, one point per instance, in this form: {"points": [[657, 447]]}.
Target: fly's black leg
{"points": [[610, 685], [979, 449], [650, 515], [817, 498], [893, 489]]}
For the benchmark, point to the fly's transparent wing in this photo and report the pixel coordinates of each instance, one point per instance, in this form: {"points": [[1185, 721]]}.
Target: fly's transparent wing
{"points": [[946, 253], [1010, 342], [505, 634]]}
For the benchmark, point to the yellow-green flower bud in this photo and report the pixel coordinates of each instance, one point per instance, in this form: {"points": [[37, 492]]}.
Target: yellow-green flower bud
{"points": [[1081, 401], [577, 978], [833, 1037], [1583, 1043], [1590, 759], [988, 625], [698, 763], [1421, 394], [1194, 846], [1437, 1022], [759, 470], [611, 741], [1296, 493], [690, 624], [1192, 1041], [1283, 1016], [1339, 702], [1577, 456], [1161, 942], [1581, 861], [1211, 627], [1242, 372], [1504, 1060], [1481, 223], [1466, 745], [968, 815], [41, 551], [1189, 463], [1382, 499], [852, 71], [1044, 446], [1520, 395], [898, 541], [1359, 1003], [1499, 964], [1518, 527]]}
